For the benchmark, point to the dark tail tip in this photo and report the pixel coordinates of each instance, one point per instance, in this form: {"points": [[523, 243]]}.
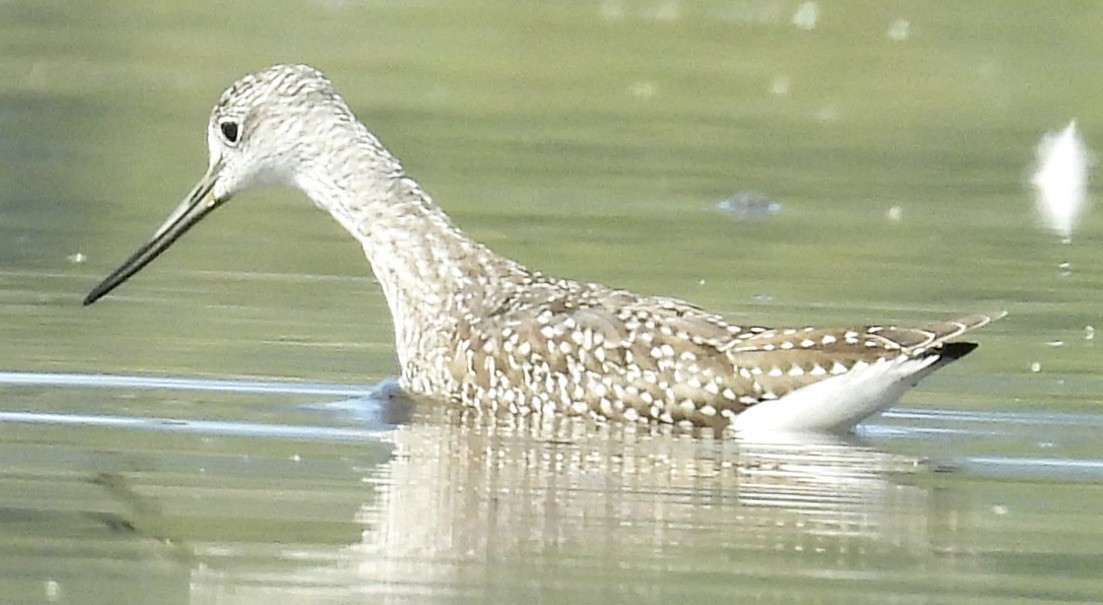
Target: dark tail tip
{"points": [[956, 350]]}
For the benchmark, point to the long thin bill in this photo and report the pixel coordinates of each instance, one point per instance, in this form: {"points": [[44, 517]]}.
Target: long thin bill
{"points": [[195, 206]]}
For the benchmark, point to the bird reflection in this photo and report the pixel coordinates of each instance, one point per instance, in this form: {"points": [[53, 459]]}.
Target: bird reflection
{"points": [[466, 495], [469, 485]]}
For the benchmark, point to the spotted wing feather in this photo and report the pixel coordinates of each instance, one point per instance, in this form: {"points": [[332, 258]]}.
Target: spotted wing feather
{"points": [[580, 349], [786, 360], [605, 352]]}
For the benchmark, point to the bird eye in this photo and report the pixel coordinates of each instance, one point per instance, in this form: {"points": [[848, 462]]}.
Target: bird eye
{"points": [[229, 131]]}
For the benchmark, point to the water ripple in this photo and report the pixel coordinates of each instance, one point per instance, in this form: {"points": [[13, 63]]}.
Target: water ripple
{"points": [[204, 427]]}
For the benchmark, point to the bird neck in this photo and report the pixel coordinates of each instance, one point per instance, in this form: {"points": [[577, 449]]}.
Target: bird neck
{"points": [[433, 276]]}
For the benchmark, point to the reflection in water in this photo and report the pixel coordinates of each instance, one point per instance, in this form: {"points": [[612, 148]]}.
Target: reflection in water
{"points": [[452, 506], [466, 499], [478, 487]]}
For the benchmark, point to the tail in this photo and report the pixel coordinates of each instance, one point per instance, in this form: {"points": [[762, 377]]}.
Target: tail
{"points": [[953, 351], [931, 337]]}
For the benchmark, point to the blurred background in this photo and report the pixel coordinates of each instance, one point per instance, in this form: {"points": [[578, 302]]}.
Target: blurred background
{"points": [[781, 162]]}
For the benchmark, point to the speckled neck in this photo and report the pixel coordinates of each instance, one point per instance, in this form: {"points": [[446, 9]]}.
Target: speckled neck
{"points": [[433, 275]]}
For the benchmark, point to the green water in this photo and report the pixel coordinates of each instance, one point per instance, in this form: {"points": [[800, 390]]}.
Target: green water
{"points": [[586, 139]]}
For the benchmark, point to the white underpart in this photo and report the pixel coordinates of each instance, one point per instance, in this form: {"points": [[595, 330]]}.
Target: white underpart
{"points": [[837, 404]]}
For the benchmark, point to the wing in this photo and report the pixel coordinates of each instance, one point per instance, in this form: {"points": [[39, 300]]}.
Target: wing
{"points": [[579, 348], [782, 361]]}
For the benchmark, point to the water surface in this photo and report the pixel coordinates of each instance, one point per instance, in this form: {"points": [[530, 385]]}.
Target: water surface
{"points": [[211, 432]]}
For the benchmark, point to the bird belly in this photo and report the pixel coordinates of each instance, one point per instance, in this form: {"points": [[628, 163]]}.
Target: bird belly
{"points": [[838, 403]]}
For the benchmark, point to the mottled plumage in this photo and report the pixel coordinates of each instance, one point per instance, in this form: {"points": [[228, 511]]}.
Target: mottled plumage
{"points": [[476, 328]]}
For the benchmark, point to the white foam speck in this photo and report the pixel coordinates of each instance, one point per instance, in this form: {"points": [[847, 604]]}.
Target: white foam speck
{"points": [[53, 591], [780, 86], [808, 13], [1061, 179], [899, 30], [643, 90]]}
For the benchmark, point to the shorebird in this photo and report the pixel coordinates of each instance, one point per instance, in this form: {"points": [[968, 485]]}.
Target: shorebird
{"points": [[478, 329]]}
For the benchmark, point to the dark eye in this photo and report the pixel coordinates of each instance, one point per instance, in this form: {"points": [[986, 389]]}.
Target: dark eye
{"points": [[229, 131]]}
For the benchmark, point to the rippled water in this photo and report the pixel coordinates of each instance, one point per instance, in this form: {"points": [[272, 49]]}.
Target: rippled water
{"points": [[376, 497], [221, 429]]}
